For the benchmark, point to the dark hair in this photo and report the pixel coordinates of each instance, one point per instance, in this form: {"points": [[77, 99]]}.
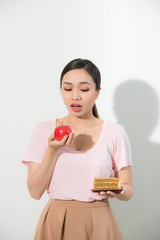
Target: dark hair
{"points": [[89, 67]]}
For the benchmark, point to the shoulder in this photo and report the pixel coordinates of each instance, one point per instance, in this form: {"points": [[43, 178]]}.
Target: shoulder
{"points": [[113, 127], [46, 123], [116, 135], [114, 130], [46, 127]]}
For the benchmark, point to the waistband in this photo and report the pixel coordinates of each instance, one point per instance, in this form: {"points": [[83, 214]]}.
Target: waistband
{"points": [[75, 203]]}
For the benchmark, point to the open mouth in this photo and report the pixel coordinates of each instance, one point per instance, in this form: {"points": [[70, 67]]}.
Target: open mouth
{"points": [[76, 107]]}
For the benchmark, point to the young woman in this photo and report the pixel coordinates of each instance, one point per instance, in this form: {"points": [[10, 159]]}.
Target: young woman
{"points": [[67, 168]]}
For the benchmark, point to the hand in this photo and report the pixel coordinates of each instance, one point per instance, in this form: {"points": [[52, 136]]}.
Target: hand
{"points": [[111, 194], [53, 144]]}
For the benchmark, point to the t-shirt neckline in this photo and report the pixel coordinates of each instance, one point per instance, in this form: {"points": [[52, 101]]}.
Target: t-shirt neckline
{"points": [[95, 146]]}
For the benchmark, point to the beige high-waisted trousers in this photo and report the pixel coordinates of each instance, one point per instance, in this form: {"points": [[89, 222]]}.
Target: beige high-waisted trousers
{"points": [[75, 220]]}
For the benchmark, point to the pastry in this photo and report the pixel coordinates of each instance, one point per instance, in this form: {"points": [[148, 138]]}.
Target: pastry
{"points": [[107, 184]]}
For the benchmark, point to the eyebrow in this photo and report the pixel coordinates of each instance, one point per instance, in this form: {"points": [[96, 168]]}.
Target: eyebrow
{"points": [[79, 83]]}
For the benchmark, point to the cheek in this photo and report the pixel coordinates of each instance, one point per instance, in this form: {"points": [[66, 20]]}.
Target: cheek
{"points": [[64, 96], [90, 98]]}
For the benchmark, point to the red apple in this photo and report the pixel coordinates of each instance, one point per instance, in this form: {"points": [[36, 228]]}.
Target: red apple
{"points": [[61, 131]]}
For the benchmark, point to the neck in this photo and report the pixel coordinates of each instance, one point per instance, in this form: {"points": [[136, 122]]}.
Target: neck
{"points": [[80, 122]]}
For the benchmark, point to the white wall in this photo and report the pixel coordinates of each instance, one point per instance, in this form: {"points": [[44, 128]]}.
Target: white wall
{"points": [[37, 39]]}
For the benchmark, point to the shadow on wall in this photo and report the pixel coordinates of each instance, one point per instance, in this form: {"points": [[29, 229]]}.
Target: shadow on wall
{"points": [[136, 107]]}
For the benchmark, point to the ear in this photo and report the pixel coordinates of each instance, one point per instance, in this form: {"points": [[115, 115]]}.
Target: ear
{"points": [[97, 93]]}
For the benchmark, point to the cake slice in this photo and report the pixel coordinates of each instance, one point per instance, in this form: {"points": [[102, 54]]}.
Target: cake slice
{"points": [[107, 184]]}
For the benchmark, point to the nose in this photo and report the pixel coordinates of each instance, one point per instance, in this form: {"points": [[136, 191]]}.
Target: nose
{"points": [[76, 94]]}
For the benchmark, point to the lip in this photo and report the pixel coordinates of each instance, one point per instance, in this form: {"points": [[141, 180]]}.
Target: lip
{"points": [[76, 109], [76, 104]]}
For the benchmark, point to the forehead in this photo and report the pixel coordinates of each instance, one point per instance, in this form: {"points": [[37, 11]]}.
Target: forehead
{"points": [[78, 76]]}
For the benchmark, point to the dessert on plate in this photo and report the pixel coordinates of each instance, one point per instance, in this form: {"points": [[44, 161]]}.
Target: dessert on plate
{"points": [[107, 184]]}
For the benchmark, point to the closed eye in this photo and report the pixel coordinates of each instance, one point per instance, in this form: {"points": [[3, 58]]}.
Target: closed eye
{"points": [[67, 89], [84, 90]]}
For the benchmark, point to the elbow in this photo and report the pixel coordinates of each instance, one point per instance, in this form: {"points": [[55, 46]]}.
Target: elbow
{"points": [[35, 196], [130, 195], [34, 193]]}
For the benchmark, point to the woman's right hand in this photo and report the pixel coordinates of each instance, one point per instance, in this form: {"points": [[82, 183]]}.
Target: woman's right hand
{"points": [[53, 144]]}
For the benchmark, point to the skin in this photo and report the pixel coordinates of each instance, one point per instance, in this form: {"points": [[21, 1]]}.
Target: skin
{"points": [[78, 87]]}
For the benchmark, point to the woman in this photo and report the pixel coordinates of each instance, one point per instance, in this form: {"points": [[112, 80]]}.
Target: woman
{"points": [[66, 168]]}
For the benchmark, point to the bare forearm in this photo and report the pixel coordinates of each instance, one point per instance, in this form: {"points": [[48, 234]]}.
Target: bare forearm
{"points": [[127, 193], [39, 179], [125, 174]]}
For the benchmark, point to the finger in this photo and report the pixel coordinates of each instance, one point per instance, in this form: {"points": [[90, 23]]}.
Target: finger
{"points": [[64, 140], [51, 137], [111, 194], [122, 192], [103, 193], [70, 139]]}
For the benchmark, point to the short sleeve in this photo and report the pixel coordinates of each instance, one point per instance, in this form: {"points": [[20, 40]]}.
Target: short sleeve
{"points": [[122, 150], [36, 148]]}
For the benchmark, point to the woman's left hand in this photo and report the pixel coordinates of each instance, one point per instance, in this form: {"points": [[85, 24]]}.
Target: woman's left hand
{"points": [[125, 175], [111, 194]]}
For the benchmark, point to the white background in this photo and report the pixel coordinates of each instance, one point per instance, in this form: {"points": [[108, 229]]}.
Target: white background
{"points": [[37, 39]]}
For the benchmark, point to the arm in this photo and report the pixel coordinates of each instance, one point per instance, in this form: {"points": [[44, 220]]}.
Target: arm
{"points": [[39, 175], [125, 174]]}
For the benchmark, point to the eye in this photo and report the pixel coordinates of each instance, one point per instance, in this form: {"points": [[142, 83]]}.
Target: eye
{"points": [[84, 90], [67, 89]]}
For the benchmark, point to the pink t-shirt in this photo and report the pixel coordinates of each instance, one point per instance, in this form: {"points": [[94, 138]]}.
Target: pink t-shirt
{"points": [[75, 171]]}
